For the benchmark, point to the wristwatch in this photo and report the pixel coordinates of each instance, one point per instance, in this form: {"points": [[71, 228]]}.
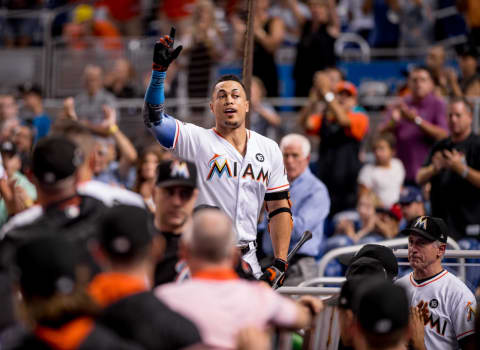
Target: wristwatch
{"points": [[418, 120], [329, 97]]}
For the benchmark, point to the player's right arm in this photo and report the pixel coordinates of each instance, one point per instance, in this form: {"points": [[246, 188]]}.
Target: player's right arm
{"points": [[162, 126]]}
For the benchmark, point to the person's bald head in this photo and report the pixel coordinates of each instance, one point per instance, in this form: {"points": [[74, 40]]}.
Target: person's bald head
{"points": [[211, 238]]}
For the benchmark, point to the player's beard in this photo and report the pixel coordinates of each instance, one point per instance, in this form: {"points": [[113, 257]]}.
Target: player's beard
{"points": [[174, 224]]}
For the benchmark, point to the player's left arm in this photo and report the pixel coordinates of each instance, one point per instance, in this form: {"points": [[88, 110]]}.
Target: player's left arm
{"points": [[280, 226]]}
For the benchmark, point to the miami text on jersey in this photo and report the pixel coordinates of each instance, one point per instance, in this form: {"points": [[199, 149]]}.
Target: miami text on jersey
{"points": [[220, 165]]}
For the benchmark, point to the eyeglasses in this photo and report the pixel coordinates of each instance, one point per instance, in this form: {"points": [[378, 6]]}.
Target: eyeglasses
{"points": [[185, 193]]}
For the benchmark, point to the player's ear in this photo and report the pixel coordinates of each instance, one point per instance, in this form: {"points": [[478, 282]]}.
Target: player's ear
{"points": [[247, 105], [211, 107]]}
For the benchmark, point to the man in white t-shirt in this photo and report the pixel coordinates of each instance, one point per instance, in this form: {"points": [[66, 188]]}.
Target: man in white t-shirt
{"points": [[446, 301], [238, 169]]}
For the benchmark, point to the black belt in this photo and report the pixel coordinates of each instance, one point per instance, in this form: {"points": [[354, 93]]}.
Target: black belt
{"points": [[247, 247]]}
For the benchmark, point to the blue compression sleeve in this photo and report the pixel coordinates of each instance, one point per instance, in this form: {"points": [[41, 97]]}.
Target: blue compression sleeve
{"points": [[162, 126], [155, 94]]}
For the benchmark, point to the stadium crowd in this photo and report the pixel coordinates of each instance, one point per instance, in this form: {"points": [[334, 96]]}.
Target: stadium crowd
{"points": [[102, 243]]}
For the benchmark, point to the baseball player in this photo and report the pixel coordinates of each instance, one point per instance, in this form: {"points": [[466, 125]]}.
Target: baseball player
{"points": [[448, 305], [238, 169]]}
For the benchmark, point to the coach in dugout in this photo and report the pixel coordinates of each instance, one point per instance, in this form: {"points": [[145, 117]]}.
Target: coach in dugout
{"points": [[447, 303]]}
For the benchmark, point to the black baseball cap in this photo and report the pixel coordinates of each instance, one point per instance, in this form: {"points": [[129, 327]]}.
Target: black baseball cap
{"points": [[47, 266], [348, 290], [125, 231], [55, 158], [177, 172], [381, 307], [378, 256], [8, 147], [429, 227]]}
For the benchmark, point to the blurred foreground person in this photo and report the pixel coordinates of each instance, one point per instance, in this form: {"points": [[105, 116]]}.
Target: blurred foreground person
{"points": [[56, 305], [210, 252], [381, 321], [128, 250]]}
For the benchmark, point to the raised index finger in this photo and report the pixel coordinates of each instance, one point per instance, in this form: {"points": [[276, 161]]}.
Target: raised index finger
{"points": [[172, 33]]}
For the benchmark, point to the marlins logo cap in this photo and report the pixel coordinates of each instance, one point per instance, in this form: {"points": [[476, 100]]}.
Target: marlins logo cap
{"points": [[176, 172], [431, 228]]}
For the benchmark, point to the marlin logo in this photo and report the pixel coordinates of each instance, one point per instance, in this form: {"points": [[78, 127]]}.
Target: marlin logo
{"points": [[471, 311], [218, 167], [179, 169], [421, 223]]}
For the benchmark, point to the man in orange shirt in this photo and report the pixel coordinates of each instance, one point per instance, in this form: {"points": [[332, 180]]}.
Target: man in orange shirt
{"points": [[341, 129]]}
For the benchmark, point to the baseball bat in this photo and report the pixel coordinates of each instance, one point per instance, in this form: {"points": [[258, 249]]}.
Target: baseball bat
{"points": [[307, 235]]}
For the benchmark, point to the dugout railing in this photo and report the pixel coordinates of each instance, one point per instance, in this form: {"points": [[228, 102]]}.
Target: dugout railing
{"points": [[326, 332]]}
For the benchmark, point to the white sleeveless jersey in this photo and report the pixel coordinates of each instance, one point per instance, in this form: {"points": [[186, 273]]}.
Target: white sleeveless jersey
{"points": [[451, 305], [226, 179]]}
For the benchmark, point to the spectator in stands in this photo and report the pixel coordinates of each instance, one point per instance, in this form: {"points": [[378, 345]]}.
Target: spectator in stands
{"points": [[310, 208], [9, 119], [263, 117], [293, 13], [32, 98], [210, 251], [386, 29], [445, 78], [411, 203], [119, 81], [355, 225], [269, 33], [416, 22], [84, 139], [128, 249], [341, 131], [386, 224], [147, 173], [315, 50], [20, 30], [471, 9], [85, 25], [358, 16], [417, 121], [125, 15], [89, 103], [110, 168], [203, 42], [174, 195], [56, 304], [453, 169], [470, 80], [22, 192], [385, 177], [23, 140]]}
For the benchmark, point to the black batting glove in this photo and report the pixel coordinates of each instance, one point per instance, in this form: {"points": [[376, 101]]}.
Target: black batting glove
{"points": [[274, 275], [163, 53]]}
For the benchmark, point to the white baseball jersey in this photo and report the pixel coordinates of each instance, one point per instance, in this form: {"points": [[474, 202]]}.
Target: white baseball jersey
{"points": [[237, 184], [451, 305]]}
